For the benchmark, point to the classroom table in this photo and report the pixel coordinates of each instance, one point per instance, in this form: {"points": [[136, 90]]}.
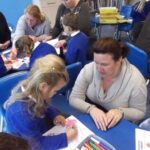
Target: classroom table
{"points": [[122, 136]]}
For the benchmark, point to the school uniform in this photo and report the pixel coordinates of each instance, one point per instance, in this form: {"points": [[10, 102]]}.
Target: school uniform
{"points": [[77, 48], [41, 50], [21, 122]]}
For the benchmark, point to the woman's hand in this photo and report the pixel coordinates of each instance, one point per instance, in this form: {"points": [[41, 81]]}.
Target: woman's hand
{"points": [[60, 120], [71, 133], [113, 117], [99, 118]]}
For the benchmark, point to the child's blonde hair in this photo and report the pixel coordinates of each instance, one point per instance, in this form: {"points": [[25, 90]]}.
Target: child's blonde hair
{"points": [[50, 69]]}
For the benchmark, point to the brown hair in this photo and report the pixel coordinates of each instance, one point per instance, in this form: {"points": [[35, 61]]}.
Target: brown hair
{"points": [[24, 45], [35, 12], [110, 46], [71, 20], [11, 142]]}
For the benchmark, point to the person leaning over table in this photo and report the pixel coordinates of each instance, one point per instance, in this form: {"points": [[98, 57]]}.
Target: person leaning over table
{"points": [[32, 23], [29, 113], [75, 6], [110, 83]]}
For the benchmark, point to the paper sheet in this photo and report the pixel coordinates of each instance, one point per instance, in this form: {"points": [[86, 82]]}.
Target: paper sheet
{"points": [[142, 139]]}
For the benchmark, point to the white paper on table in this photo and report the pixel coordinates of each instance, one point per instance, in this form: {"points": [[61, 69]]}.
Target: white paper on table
{"points": [[21, 63], [53, 43], [142, 139]]}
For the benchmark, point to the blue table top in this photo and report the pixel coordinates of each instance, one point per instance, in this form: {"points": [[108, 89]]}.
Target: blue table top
{"points": [[122, 136]]}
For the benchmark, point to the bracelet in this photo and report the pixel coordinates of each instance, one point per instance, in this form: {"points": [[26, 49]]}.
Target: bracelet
{"points": [[90, 108]]}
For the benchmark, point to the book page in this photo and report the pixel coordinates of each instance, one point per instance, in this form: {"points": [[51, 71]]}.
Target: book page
{"points": [[83, 132], [142, 139]]}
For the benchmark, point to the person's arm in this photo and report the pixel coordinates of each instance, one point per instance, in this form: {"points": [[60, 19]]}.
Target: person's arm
{"points": [[137, 103], [71, 54], [57, 29], [78, 94], [20, 29]]}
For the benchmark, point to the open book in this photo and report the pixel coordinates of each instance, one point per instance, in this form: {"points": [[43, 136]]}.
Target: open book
{"points": [[84, 136], [142, 139]]}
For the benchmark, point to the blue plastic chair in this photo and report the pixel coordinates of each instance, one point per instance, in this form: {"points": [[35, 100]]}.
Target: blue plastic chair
{"points": [[73, 71], [60, 100], [140, 59], [125, 27], [7, 83]]}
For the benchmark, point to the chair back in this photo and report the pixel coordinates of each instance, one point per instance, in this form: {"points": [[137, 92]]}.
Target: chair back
{"points": [[139, 58], [7, 83], [73, 71], [126, 12]]}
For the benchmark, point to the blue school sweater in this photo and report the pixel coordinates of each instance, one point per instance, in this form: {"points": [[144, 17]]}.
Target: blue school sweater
{"points": [[3, 69], [41, 50], [138, 17], [21, 123], [77, 49]]}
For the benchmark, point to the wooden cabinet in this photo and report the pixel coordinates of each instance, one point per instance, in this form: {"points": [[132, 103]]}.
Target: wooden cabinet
{"points": [[49, 8]]}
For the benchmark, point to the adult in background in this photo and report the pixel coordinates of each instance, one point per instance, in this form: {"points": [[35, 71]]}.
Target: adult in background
{"points": [[5, 34], [139, 13], [110, 88], [32, 23], [76, 6]]}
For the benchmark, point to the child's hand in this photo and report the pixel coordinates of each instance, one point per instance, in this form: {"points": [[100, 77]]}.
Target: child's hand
{"points": [[71, 133], [60, 120]]}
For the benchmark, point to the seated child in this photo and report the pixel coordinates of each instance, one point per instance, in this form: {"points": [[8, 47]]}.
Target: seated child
{"points": [[25, 48], [28, 110], [77, 44]]}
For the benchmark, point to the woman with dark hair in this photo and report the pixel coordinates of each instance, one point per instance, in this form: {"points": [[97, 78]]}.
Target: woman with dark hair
{"points": [[5, 34], [110, 88]]}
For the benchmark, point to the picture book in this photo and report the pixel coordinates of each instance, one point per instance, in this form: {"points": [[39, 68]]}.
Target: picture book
{"points": [[142, 139], [85, 140]]}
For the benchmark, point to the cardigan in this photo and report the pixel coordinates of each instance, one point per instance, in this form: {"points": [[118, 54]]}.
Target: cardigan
{"points": [[21, 123], [84, 18], [77, 49], [128, 92]]}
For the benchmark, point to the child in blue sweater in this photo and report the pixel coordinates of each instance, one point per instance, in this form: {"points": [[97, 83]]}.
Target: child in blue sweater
{"points": [[25, 48], [28, 110], [78, 43]]}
